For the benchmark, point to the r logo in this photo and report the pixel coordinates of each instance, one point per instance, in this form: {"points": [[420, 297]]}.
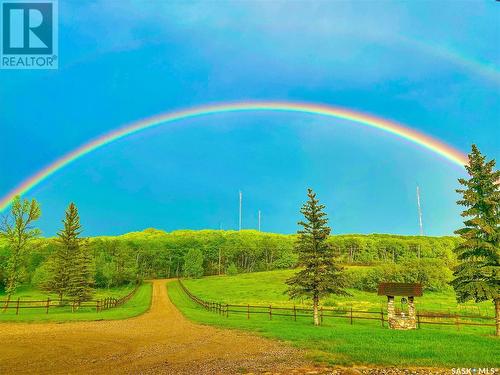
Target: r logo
{"points": [[27, 28], [28, 34]]}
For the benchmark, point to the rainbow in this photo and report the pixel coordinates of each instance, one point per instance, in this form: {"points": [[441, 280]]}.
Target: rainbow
{"points": [[423, 140]]}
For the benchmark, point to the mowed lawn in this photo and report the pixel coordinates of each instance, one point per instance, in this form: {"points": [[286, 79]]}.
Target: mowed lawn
{"points": [[137, 305], [337, 342]]}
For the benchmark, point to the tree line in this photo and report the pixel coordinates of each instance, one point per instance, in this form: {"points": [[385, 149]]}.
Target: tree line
{"points": [[125, 259]]}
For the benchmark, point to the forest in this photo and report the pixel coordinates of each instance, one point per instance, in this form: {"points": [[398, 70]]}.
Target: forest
{"points": [[152, 253]]}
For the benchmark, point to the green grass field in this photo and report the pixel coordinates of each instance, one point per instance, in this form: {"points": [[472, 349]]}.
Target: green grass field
{"points": [[337, 342], [29, 293], [137, 305], [268, 288]]}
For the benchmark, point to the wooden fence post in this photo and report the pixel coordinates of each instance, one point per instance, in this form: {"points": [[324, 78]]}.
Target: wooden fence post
{"points": [[48, 305], [294, 313], [6, 306], [270, 312], [248, 311], [351, 315], [97, 306], [457, 321], [321, 315], [418, 320], [17, 306], [382, 316], [227, 310]]}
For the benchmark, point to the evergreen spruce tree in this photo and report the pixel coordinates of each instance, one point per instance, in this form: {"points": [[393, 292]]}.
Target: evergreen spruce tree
{"points": [[82, 279], [59, 265], [321, 275], [71, 264], [477, 277]]}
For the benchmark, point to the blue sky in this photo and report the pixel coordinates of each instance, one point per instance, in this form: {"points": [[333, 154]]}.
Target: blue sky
{"points": [[433, 66]]}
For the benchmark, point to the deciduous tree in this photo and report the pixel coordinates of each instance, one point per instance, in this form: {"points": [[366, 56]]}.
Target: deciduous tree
{"points": [[17, 228], [193, 263]]}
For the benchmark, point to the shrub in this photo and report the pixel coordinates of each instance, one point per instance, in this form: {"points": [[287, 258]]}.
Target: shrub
{"points": [[286, 260], [431, 273], [41, 276], [232, 270]]}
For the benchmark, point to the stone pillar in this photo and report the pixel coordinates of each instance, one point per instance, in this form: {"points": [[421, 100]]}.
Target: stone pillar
{"points": [[411, 308], [391, 311], [412, 317]]}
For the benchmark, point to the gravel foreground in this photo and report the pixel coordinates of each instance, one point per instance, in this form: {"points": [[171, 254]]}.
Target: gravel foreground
{"points": [[160, 341]]}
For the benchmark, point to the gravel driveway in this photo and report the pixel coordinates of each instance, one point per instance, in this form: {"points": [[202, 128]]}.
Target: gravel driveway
{"points": [[159, 341]]}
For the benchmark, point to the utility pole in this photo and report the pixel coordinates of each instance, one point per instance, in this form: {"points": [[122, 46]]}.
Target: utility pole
{"points": [[419, 212], [259, 220], [241, 199]]}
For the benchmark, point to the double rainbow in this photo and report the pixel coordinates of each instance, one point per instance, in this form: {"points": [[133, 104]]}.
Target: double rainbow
{"points": [[404, 132]]}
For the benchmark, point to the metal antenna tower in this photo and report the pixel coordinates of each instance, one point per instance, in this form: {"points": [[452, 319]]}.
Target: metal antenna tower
{"points": [[241, 199], [419, 212]]}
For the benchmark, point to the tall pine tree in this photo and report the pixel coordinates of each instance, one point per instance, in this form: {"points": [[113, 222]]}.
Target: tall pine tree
{"points": [[477, 277], [59, 270], [321, 275], [71, 264]]}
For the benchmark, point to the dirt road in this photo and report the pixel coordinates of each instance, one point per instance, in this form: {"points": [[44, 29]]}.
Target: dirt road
{"points": [[160, 341]]}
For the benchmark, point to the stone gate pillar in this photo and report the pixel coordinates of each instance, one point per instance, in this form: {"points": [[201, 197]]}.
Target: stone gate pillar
{"points": [[411, 308], [391, 310], [412, 317]]}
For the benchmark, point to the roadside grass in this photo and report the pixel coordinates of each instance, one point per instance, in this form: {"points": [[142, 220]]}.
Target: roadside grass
{"points": [[29, 293], [137, 305], [337, 342], [269, 287]]}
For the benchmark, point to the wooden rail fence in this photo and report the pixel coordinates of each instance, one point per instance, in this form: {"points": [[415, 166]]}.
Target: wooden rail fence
{"points": [[75, 305], [350, 314]]}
